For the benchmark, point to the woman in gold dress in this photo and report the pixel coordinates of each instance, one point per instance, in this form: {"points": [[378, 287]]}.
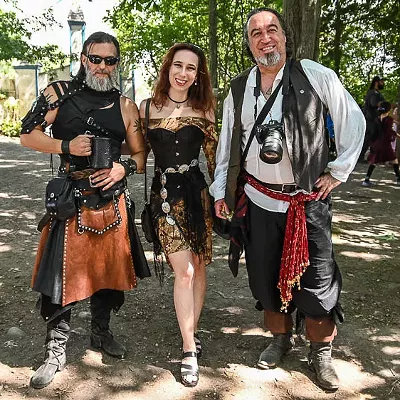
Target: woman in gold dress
{"points": [[180, 123]]}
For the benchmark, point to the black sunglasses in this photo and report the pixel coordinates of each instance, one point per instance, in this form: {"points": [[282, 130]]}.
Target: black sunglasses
{"points": [[97, 59]]}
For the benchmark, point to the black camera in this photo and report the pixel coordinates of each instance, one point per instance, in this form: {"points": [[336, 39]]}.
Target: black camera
{"points": [[270, 136]]}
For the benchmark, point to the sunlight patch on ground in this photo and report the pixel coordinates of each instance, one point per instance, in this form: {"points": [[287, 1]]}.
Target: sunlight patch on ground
{"points": [[349, 218], [342, 239], [221, 257], [391, 350], [9, 375], [27, 215], [365, 256], [15, 196], [255, 332], [392, 338], [387, 373], [149, 255], [19, 162], [93, 359], [6, 214], [232, 310], [5, 247], [362, 234], [124, 381], [255, 375], [230, 330]]}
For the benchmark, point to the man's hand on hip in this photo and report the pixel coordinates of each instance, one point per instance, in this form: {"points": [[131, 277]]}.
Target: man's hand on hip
{"points": [[105, 178], [325, 184]]}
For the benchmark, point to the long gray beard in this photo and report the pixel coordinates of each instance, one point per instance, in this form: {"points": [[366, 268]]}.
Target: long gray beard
{"points": [[269, 60], [101, 84]]}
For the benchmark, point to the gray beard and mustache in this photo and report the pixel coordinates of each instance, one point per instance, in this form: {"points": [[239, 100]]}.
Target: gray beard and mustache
{"points": [[103, 84], [268, 60]]}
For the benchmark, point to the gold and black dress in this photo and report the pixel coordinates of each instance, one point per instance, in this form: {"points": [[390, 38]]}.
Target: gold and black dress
{"points": [[179, 193]]}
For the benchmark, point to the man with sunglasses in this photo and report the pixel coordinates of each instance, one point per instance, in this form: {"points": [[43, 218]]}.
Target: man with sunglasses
{"points": [[96, 252]]}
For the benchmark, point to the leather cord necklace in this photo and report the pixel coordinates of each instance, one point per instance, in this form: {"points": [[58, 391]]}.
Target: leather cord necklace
{"points": [[178, 103]]}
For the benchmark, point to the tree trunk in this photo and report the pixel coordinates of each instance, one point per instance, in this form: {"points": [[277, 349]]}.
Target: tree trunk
{"points": [[212, 34], [303, 20], [337, 51]]}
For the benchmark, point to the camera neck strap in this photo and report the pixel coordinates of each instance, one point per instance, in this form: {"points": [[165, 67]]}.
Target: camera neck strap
{"points": [[265, 110]]}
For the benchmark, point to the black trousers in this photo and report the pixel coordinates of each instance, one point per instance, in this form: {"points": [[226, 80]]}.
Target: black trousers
{"points": [[320, 284], [103, 300]]}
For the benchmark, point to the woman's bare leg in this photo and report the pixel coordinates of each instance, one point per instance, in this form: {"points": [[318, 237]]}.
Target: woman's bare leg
{"points": [[200, 284]]}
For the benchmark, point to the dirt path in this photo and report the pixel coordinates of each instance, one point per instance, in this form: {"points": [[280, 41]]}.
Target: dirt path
{"points": [[367, 350]]}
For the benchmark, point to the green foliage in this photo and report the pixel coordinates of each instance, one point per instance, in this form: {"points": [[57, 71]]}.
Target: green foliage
{"points": [[11, 125], [10, 128], [360, 39], [146, 29], [15, 34]]}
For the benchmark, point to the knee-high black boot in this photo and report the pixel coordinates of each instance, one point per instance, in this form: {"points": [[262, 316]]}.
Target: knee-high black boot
{"points": [[101, 336], [55, 359]]}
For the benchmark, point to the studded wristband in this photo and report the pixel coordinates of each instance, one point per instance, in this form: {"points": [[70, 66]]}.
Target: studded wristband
{"points": [[129, 165], [65, 146]]}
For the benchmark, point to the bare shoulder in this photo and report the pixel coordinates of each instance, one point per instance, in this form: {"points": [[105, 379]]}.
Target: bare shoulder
{"points": [[142, 108], [129, 108], [55, 90], [210, 116]]}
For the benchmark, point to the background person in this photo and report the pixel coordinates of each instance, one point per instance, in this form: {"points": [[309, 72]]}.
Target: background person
{"points": [[283, 213], [381, 148], [181, 122], [373, 99], [93, 253]]}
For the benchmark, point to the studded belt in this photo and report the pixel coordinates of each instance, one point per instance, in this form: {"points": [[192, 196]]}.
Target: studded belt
{"points": [[179, 169], [165, 206]]}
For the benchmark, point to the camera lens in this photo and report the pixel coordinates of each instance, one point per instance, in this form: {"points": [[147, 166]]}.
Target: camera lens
{"points": [[270, 136]]}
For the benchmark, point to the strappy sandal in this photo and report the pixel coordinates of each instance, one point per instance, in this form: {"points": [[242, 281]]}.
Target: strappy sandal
{"points": [[197, 342], [189, 370]]}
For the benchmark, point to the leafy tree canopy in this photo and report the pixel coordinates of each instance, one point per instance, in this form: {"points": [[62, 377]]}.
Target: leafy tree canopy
{"points": [[358, 38], [147, 28], [16, 32]]}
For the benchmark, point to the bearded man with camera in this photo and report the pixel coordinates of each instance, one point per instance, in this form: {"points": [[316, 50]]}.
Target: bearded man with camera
{"points": [[89, 245], [273, 177]]}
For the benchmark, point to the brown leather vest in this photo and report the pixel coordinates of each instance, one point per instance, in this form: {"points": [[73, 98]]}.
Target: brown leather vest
{"points": [[304, 117]]}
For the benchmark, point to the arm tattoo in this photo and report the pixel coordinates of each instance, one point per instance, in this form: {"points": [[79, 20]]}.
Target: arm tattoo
{"points": [[138, 125]]}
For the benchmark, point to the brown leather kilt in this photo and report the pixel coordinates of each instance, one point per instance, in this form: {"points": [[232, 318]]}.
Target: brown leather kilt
{"points": [[90, 261]]}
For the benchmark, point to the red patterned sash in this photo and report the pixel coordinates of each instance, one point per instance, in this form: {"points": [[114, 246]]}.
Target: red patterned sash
{"points": [[295, 257]]}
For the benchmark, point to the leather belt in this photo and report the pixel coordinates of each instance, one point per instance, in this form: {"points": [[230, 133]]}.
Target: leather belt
{"points": [[84, 174], [280, 187]]}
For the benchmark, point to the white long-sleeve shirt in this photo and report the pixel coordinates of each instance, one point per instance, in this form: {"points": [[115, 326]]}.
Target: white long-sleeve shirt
{"points": [[347, 118]]}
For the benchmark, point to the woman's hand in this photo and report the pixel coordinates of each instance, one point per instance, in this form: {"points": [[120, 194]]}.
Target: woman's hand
{"points": [[107, 177]]}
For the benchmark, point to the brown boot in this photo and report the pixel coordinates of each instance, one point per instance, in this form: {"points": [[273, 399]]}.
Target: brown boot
{"points": [[320, 360], [273, 354]]}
